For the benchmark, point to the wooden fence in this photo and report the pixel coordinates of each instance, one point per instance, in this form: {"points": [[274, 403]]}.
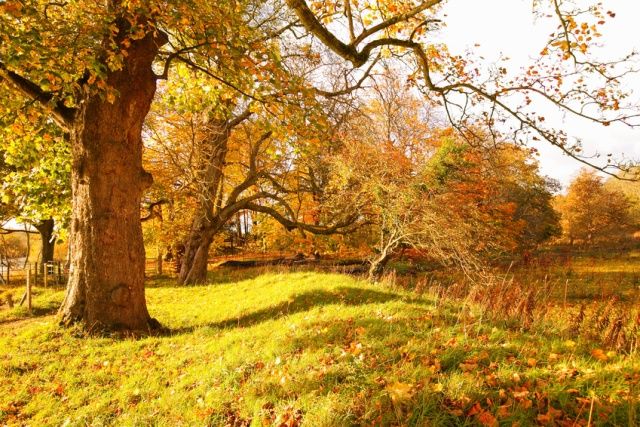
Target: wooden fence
{"points": [[49, 274]]}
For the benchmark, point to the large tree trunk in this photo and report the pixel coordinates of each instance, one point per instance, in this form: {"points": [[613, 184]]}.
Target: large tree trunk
{"points": [[210, 165], [106, 281], [45, 228]]}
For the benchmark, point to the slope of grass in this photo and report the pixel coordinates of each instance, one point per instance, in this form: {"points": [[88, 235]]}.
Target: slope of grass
{"points": [[308, 349]]}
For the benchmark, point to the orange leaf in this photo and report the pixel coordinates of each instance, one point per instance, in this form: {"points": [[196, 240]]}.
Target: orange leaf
{"points": [[475, 409], [543, 418], [599, 354], [485, 418]]}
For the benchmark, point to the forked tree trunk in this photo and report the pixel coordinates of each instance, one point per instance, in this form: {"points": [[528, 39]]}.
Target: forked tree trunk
{"points": [[106, 281], [196, 257], [45, 228], [205, 225], [377, 266]]}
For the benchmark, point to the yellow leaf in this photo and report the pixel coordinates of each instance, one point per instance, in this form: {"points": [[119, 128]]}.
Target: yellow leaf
{"points": [[400, 392]]}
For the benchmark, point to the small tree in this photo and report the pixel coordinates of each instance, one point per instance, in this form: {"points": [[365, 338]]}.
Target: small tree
{"points": [[591, 212], [517, 176], [630, 187]]}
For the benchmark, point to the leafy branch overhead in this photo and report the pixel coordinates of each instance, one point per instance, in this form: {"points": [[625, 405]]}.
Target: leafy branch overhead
{"points": [[567, 74], [285, 109]]}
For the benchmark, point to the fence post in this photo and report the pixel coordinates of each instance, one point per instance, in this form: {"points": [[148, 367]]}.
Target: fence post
{"points": [[35, 273], [159, 263], [8, 270], [59, 272], [46, 273], [29, 289]]}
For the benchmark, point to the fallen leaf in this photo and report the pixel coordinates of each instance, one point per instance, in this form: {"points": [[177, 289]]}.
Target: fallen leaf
{"points": [[543, 418], [485, 418], [468, 367], [400, 392], [599, 354], [475, 409]]}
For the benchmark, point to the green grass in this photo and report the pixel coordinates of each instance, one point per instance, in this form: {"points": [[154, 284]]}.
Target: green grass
{"points": [[312, 349]]}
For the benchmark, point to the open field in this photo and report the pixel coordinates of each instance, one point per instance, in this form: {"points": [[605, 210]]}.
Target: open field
{"points": [[314, 349]]}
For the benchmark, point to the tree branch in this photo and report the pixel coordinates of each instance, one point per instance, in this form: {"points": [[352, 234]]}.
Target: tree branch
{"points": [[64, 116], [358, 58], [338, 228], [151, 208], [395, 19]]}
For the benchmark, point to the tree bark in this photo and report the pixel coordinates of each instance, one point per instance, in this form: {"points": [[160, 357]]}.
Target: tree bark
{"points": [[106, 282], [158, 260], [210, 166], [377, 266], [45, 228], [194, 265]]}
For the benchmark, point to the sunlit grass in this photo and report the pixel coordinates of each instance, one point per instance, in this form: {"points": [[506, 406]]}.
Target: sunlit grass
{"points": [[310, 348]]}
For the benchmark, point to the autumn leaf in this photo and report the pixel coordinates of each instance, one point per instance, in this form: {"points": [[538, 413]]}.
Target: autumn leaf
{"points": [[400, 392], [475, 409], [468, 367], [599, 354], [487, 419], [543, 418]]}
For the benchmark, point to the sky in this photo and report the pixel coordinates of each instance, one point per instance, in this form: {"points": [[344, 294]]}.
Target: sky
{"points": [[510, 28]]}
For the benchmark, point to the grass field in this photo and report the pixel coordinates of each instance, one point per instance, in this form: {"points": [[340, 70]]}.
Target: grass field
{"points": [[318, 349]]}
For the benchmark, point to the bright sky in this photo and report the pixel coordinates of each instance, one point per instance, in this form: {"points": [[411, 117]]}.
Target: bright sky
{"points": [[508, 26]]}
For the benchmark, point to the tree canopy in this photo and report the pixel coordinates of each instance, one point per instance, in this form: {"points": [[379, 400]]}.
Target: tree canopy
{"points": [[80, 78]]}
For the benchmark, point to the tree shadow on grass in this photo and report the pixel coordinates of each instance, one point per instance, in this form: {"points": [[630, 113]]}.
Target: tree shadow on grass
{"points": [[23, 314], [299, 303], [217, 276]]}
